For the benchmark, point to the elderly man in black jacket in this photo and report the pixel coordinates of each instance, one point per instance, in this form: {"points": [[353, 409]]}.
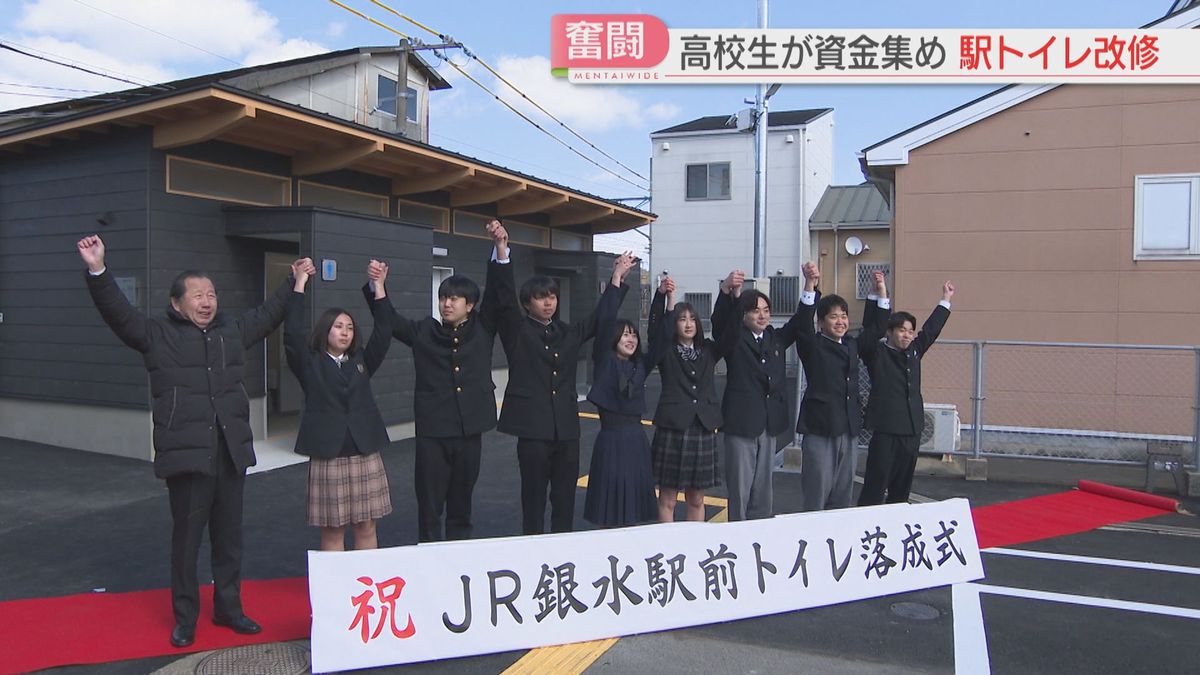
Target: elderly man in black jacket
{"points": [[895, 410], [203, 443], [830, 412]]}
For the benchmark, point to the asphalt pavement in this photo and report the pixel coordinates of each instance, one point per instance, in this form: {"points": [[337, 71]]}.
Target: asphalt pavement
{"points": [[73, 522]]}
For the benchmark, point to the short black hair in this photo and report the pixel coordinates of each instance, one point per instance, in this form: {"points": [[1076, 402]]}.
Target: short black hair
{"points": [[459, 286], [619, 327], [319, 341], [898, 319], [680, 309], [538, 287], [830, 302], [179, 286], [748, 302]]}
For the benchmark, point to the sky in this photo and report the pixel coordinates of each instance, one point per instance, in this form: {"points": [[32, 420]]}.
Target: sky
{"points": [[150, 41]]}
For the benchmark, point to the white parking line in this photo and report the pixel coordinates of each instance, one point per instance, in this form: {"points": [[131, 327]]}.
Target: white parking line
{"points": [[970, 639], [1110, 562], [1086, 600]]}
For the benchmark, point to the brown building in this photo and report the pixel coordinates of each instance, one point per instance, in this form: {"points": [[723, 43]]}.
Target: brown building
{"points": [[850, 240], [1063, 213]]}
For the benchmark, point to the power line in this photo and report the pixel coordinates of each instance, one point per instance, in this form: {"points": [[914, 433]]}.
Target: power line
{"points": [[484, 87], [11, 48], [156, 32], [444, 37], [39, 86], [539, 127], [206, 51]]}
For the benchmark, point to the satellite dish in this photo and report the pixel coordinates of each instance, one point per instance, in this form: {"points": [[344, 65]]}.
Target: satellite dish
{"points": [[855, 246]]}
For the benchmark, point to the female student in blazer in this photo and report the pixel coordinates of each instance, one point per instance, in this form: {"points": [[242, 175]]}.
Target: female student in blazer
{"points": [[341, 429], [684, 451], [620, 483]]}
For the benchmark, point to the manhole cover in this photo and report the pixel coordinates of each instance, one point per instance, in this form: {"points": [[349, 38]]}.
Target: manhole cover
{"points": [[915, 610], [270, 659]]}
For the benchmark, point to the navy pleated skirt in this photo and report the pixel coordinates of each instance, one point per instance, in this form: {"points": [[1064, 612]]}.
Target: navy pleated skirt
{"points": [[620, 481]]}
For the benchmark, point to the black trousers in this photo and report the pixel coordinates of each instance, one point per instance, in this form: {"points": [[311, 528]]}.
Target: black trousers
{"points": [[553, 463], [445, 475], [891, 460], [199, 501]]}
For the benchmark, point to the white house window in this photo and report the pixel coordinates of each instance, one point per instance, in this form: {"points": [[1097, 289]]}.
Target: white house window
{"points": [[708, 181], [385, 98], [1166, 221]]}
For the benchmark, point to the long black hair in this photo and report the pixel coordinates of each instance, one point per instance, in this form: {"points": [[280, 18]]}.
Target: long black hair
{"points": [[319, 342], [680, 308]]}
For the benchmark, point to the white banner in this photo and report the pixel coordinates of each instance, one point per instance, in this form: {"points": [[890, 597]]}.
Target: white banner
{"points": [[445, 600]]}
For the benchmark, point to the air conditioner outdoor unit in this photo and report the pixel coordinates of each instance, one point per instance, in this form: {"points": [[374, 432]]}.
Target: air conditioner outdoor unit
{"points": [[942, 429]]}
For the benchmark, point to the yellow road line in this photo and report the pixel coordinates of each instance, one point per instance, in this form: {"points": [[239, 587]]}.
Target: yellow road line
{"points": [[594, 416], [573, 659]]}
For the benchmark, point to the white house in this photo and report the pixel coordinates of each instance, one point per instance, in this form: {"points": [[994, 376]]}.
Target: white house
{"points": [[702, 188]]}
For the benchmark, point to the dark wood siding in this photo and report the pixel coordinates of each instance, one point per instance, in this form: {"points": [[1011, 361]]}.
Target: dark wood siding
{"points": [[352, 241], [56, 347], [188, 233]]}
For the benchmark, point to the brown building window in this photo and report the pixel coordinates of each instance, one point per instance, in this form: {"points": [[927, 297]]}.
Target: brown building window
{"points": [[1166, 220]]}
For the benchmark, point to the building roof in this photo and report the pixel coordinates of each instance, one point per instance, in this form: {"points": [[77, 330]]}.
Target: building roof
{"points": [[850, 206], [893, 151], [258, 76], [320, 143], [782, 118]]}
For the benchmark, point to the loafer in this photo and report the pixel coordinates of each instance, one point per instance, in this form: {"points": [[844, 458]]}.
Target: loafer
{"points": [[183, 636], [242, 624]]}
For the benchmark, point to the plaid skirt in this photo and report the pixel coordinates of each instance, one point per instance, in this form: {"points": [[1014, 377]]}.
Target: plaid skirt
{"points": [[346, 490], [685, 459]]}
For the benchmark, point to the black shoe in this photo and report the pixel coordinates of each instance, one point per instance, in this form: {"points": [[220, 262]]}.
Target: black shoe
{"points": [[183, 636], [243, 625]]}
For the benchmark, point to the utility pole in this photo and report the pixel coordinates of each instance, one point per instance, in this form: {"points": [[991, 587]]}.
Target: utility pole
{"points": [[761, 96]]}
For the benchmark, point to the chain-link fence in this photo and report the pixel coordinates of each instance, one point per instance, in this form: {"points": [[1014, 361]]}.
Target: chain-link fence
{"points": [[1068, 401], [1056, 401]]}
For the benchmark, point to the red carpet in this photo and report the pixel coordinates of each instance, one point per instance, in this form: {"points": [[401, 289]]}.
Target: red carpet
{"points": [[105, 627], [1054, 516]]}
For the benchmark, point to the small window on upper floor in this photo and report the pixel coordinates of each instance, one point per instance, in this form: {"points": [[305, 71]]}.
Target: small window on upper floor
{"points": [[1166, 216], [386, 98], [708, 181]]}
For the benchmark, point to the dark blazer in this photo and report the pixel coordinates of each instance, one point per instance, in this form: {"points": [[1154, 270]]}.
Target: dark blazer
{"points": [[616, 386], [756, 382], [831, 405], [540, 400], [454, 394], [896, 405], [196, 375], [337, 399], [688, 388]]}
